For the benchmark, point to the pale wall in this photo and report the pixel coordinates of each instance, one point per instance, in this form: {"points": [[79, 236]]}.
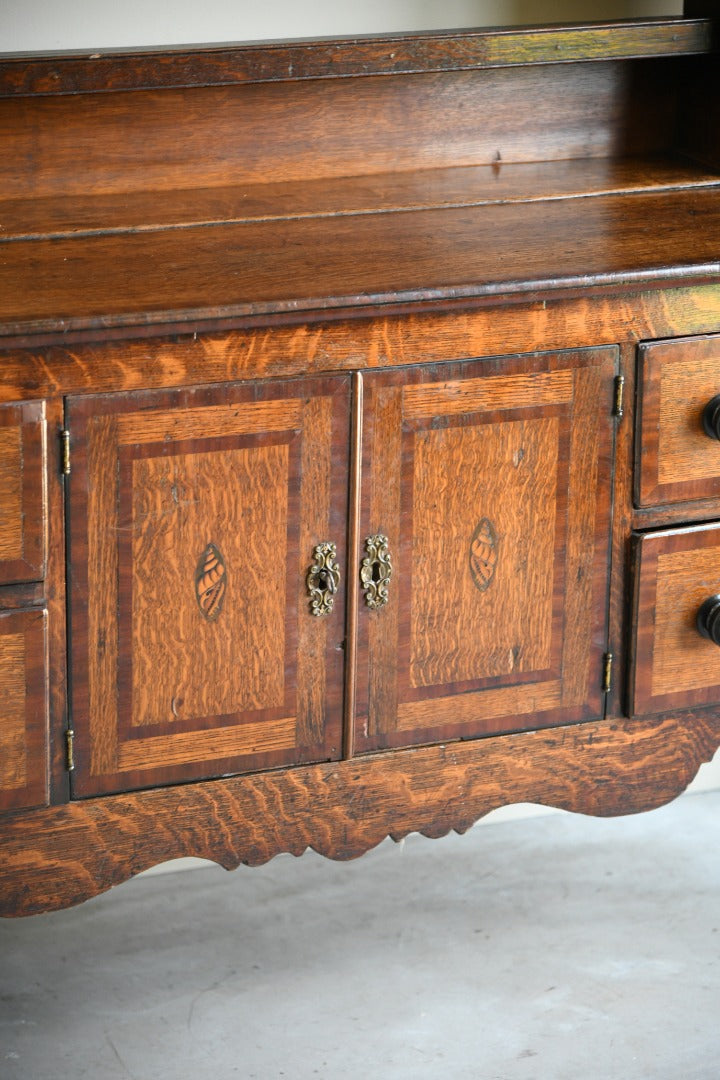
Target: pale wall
{"points": [[28, 25]]}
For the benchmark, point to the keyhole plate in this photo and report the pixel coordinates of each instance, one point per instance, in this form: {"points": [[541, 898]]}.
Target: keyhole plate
{"points": [[323, 579], [376, 571]]}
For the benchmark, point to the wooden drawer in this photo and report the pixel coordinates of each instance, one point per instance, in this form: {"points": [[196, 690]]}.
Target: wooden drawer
{"points": [[23, 709], [22, 492], [677, 459], [674, 665]]}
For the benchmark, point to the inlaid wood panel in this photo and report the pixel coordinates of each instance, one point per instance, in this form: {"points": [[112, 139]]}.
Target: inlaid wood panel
{"points": [[674, 665], [677, 459], [491, 482], [193, 520], [22, 492], [23, 709]]}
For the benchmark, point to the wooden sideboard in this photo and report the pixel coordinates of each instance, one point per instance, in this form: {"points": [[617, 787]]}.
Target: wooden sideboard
{"points": [[359, 441]]}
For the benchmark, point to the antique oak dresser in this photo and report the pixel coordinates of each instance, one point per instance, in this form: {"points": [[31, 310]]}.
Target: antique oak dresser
{"points": [[359, 441]]}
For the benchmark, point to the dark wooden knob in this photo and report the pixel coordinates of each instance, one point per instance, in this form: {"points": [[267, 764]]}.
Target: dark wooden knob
{"points": [[711, 417], [708, 619]]}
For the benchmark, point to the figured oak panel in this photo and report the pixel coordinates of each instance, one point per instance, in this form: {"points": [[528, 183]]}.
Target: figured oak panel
{"points": [[23, 709], [193, 519], [674, 666], [677, 459], [22, 492], [491, 481]]}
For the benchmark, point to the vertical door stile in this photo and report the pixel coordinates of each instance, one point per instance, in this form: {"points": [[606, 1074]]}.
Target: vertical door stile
{"points": [[353, 547]]}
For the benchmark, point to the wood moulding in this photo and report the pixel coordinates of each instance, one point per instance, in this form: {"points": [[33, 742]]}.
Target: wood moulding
{"points": [[126, 363], [391, 54], [67, 854]]}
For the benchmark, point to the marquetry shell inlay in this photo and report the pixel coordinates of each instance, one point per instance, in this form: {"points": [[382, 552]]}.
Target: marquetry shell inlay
{"points": [[483, 554], [210, 582]]}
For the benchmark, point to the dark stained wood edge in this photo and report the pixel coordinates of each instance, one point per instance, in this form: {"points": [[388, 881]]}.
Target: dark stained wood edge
{"points": [[622, 508], [391, 54], [54, 589], [67, 854], [696, 8]]}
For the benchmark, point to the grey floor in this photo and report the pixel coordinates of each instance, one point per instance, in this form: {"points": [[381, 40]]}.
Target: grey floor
{"points": [[554, 948]]}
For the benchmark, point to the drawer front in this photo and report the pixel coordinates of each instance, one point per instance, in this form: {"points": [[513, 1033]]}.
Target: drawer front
{"points": [[674, 665], [23, 710], [22, 492], [678, 459]]}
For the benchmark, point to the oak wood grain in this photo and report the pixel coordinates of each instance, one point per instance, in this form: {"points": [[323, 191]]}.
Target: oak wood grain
{"points": [[23, 492], [316, 264], [70, 853], [23, 709], [78, 364]]}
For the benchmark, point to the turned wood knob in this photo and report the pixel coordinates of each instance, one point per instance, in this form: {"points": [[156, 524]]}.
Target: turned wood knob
{"points": [[711, 417], [708, 619]]}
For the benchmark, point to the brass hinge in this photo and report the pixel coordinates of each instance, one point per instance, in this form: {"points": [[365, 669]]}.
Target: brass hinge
{"points": [[70, 749], [607, 672], [65, 451], [618, 400]]}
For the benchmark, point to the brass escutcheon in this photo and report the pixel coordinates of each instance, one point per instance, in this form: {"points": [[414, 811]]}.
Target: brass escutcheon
{"points": [[376, 571], [323, 579]]}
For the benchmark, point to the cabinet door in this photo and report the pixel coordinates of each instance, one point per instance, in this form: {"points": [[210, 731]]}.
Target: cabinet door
{"points": [[491, 482], [193, 520]]}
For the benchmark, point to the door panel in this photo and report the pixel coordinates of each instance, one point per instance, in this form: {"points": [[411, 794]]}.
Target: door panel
{"points": [[193, 520], [491, 481]]}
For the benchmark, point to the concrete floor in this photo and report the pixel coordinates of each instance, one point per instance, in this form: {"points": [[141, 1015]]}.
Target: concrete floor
{"points": [[554, 948]]}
